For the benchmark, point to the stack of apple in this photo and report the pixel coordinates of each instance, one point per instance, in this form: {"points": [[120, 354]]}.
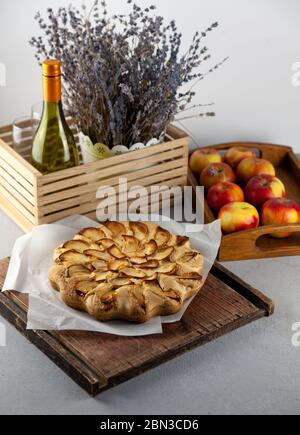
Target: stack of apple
{"points": [[243, 190]]}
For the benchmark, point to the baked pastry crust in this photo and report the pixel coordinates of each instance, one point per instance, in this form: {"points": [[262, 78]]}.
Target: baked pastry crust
{"points": [[126, 270]]}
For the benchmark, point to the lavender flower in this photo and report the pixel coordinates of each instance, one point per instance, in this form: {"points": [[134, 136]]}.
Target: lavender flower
{"points": [[122, 74]]}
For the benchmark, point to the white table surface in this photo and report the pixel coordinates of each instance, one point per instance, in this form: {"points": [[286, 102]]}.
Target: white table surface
{"points": [[254, 370]]}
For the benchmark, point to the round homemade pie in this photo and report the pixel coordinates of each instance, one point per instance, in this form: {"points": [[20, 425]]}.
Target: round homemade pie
{"points": [[126, 270]]}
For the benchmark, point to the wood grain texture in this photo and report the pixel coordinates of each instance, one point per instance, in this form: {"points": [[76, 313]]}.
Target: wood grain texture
{"points": [[32, 199], [99, 361], [257, 243]]}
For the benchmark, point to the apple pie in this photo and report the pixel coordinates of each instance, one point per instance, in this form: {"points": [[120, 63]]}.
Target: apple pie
{"points": [[126, 270]]}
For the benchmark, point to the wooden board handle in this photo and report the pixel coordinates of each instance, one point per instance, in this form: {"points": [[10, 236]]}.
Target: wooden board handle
{"points": [[248, 244]]}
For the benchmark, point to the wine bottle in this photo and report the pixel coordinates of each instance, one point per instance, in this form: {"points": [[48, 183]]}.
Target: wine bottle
{"points": [[54, 147]]}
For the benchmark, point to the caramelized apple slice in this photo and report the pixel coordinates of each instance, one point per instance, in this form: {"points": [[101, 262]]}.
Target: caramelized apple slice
{"points": [[152, 276], [117, 265], [77, 270], [97, 254], [120, 282], [163, 254], [177, 254], [131, 244], [140, 230], [101, 289], [190, 262], [188, 257], [191, 286], [138, 260], [150, 248], [116, 228], [173, 295], [76, 245], [133, 273], [104, 276], [73, 257], [182, 241], [167, 268], [116, 252], [162, 236], [167, 283], [105, 243], [101, 255], [86, 286], [100, 265], [93, 234], [153, 264]]}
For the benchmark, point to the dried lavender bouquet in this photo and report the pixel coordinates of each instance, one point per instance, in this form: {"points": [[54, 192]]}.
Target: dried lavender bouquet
{"points": [[124, 74]]}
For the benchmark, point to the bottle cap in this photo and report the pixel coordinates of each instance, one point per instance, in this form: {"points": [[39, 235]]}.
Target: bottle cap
{"points": [[51, 68]]}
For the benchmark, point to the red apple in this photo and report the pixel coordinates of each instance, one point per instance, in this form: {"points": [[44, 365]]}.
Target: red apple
{"points": [[216, 172], [236, 154], [252, 166], [263, 187], [223, 193], [238, 216], [202, 158], [280, 211]]}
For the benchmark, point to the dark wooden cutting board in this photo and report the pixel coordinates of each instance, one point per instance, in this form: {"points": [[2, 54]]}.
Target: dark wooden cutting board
{"points": [[98, 361]]}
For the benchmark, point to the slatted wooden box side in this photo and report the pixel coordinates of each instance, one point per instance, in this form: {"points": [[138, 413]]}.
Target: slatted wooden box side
{"points": [[18, 183], [31, 198]]}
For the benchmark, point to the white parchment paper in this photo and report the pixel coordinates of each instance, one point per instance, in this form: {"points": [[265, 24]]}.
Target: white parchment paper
{"points": [[32, 257]]}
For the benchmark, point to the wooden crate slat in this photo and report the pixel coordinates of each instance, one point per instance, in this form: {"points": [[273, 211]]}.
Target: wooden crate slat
{"points": [[130, 157], [175, 132], [7, 138], [89, 207], [50, 198], [6, 129], [31, 198], [151, 207], [21, 165], [4, 166], [109, 170], [107, 173], [110, 200], [5, 177], [150, 165], [15, 215], [160, 178], [15, 193], [20, 207], [24, 146]]}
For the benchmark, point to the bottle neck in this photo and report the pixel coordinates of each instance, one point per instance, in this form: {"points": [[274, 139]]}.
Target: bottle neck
{"points": [[52, 110], [51, 89]]}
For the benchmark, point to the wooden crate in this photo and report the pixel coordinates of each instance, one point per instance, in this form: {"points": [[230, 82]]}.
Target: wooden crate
{"points": [[98, 361], [257, 243], [32, 199]]}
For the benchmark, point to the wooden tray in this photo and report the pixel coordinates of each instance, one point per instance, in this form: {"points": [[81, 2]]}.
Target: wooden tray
{"points": [[257, 243], [97, 361], [30, 198]]}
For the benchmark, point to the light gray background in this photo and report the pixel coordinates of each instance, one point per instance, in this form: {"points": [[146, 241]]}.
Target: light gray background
{"points": [[253, 93], [255, 369]]}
